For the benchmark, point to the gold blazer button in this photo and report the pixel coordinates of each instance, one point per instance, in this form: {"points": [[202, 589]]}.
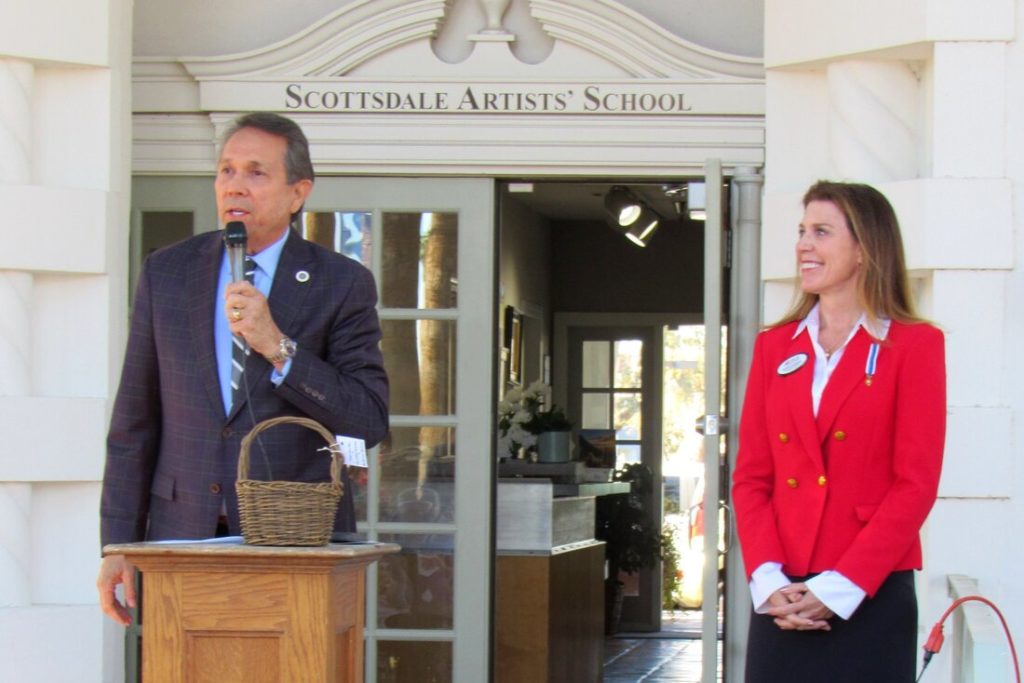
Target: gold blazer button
{"points": [[840, 435], [784, 437], [791, 483], [822, 480]]}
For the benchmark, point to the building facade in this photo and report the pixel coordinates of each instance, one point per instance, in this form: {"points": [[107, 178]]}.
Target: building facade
{"points": [[421, 106]]}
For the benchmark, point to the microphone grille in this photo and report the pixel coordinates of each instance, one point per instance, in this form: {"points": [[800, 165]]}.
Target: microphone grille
{"points": [[234, 234]]}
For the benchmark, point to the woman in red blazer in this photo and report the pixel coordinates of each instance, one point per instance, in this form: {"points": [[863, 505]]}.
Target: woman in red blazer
{"points": [[840, 451]]}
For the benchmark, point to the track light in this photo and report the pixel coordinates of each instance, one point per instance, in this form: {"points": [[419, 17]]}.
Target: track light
{"points": [[688, 199], [622, 206], [643, 228], [630, 215]]}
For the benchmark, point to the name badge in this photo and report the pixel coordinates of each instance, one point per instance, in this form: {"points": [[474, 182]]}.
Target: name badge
{"points": [[792, 364]]}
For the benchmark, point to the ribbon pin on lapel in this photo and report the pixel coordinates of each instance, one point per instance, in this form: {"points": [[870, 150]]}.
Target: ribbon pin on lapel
{"points": [[872, 364], [792, 364]]}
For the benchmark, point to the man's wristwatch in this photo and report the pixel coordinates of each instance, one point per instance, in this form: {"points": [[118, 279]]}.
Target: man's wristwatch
{"points": [[286, 349]]}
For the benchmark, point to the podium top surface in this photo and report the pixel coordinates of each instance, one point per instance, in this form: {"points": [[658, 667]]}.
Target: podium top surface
{"points": [[235, 548]]}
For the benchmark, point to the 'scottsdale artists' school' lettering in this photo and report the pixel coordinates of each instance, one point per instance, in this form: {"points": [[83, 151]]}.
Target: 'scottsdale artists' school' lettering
{"points": [[476, 98]]}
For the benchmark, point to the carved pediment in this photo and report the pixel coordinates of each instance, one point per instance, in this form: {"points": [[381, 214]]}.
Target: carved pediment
{"points": [[393, 38]]}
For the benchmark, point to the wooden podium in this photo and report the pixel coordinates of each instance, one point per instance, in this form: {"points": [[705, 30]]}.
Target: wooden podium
{"points": [[225, 612]]}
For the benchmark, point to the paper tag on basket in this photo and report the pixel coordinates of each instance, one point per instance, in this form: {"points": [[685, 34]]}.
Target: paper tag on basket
{"points": [[353, 451]]}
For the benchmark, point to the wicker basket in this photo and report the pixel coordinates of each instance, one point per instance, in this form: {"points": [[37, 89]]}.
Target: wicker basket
{"points": [[286, 513]]}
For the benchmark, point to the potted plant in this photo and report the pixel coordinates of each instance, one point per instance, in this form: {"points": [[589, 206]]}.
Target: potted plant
{"points": [[527, 420], [632, 539]]}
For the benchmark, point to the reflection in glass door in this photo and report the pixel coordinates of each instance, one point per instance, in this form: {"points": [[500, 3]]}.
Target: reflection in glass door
{"points": [[425, 617]]}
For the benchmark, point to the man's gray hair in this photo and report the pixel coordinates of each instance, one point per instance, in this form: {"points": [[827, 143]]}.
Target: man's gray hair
{"points": [[296, 157]]}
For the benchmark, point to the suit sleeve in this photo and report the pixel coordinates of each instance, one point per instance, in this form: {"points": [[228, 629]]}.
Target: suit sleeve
{"points": [[347, 390], [134, 435], [917, 450], [753, 480]]}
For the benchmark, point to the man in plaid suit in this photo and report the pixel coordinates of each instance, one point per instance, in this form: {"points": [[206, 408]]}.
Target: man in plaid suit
{"points": [[310, 322]]}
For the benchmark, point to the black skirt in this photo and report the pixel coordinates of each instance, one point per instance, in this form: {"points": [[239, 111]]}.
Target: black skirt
{"points": [[876, 645]]}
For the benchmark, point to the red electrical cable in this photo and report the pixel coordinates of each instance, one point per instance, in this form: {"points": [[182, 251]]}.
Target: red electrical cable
{"points": [[936, 637]]}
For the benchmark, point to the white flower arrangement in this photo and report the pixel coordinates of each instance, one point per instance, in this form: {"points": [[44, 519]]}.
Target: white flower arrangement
{"points": [[522, 416]]}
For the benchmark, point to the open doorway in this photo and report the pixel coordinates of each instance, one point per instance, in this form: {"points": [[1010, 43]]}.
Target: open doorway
{"points": [[593, 291]]}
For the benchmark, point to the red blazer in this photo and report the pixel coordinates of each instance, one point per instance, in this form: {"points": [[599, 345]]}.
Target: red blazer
{"points": [[850, 489]]}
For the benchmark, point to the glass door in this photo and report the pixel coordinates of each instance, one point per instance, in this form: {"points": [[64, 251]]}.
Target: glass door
{"points": [[429, 243]]}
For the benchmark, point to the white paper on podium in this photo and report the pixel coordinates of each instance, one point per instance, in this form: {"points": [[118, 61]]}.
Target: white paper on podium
{"points": [[237, 540]]}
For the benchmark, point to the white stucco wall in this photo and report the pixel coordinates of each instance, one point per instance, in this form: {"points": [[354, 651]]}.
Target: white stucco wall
{"points": [[64, 180], [922, 99]]}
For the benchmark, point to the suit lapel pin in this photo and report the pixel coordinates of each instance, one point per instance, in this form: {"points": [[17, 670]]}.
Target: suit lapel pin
{"points": [[792, 364], [302, 276]]}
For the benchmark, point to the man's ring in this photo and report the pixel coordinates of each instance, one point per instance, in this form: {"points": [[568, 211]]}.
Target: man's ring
{"points": [[236, 313]]}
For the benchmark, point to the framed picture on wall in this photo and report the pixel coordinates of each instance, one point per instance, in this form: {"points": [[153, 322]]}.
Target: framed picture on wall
{"points": [[514, 344]]}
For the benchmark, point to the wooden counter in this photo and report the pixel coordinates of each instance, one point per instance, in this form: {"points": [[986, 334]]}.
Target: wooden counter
{"points": [[549, 615], [549, 581]]}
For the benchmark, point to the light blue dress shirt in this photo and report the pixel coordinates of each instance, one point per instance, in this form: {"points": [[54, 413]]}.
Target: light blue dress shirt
{"points": [[266, 266]]}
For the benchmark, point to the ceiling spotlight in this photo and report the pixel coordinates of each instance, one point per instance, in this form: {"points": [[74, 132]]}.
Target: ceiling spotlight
{"points": [[642, 229], [623, 207], [630, 215]]}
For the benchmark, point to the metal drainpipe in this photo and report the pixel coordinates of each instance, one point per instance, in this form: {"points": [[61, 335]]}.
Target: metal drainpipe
{"points": [[744, 322]]}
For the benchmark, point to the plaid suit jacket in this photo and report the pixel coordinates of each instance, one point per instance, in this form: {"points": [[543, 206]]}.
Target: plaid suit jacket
{"points": [[172, 452]]}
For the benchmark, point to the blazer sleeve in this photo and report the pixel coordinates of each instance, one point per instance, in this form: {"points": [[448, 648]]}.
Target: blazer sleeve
{"points": [[134, 435], [347, 389], [753, 478], [916, 462]]}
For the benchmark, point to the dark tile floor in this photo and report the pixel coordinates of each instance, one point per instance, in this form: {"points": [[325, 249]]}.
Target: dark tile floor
{"points": [[670, 656]]}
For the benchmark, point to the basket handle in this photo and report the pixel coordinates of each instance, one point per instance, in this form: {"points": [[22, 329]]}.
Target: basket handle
{"points": [[243, 455]]}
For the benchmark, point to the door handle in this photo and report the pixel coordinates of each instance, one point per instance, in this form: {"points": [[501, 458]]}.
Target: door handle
{"points": [[711, 425]]}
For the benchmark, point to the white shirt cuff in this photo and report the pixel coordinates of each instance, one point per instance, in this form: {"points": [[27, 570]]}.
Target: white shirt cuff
{"points": [[764, 581], [837, 592]]}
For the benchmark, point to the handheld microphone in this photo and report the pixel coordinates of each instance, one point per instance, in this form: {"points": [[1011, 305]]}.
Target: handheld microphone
{"points": [[235, 238]]}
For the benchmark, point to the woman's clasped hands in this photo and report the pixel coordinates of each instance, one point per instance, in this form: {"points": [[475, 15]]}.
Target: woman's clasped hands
{"points": [[796, 608]]}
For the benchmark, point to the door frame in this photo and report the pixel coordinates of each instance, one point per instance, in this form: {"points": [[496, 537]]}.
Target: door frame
{"points": [[654, 323]]}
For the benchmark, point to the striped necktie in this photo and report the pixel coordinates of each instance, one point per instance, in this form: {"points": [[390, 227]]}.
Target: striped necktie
{"points": [[239, 349]]}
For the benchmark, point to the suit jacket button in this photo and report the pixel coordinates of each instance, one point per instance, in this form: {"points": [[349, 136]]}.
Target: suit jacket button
{"points": [[822, 480], [791, 483], [784, 437], [214, 488], [226, 432], [840, 435]]}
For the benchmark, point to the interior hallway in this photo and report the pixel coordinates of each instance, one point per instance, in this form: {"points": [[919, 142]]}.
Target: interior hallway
{"points": [[672, 655]]}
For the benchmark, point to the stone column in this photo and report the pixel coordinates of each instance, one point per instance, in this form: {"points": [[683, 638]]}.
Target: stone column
{"points": [[15, 169], [15, 339], [873, 121], [15, 544]]}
